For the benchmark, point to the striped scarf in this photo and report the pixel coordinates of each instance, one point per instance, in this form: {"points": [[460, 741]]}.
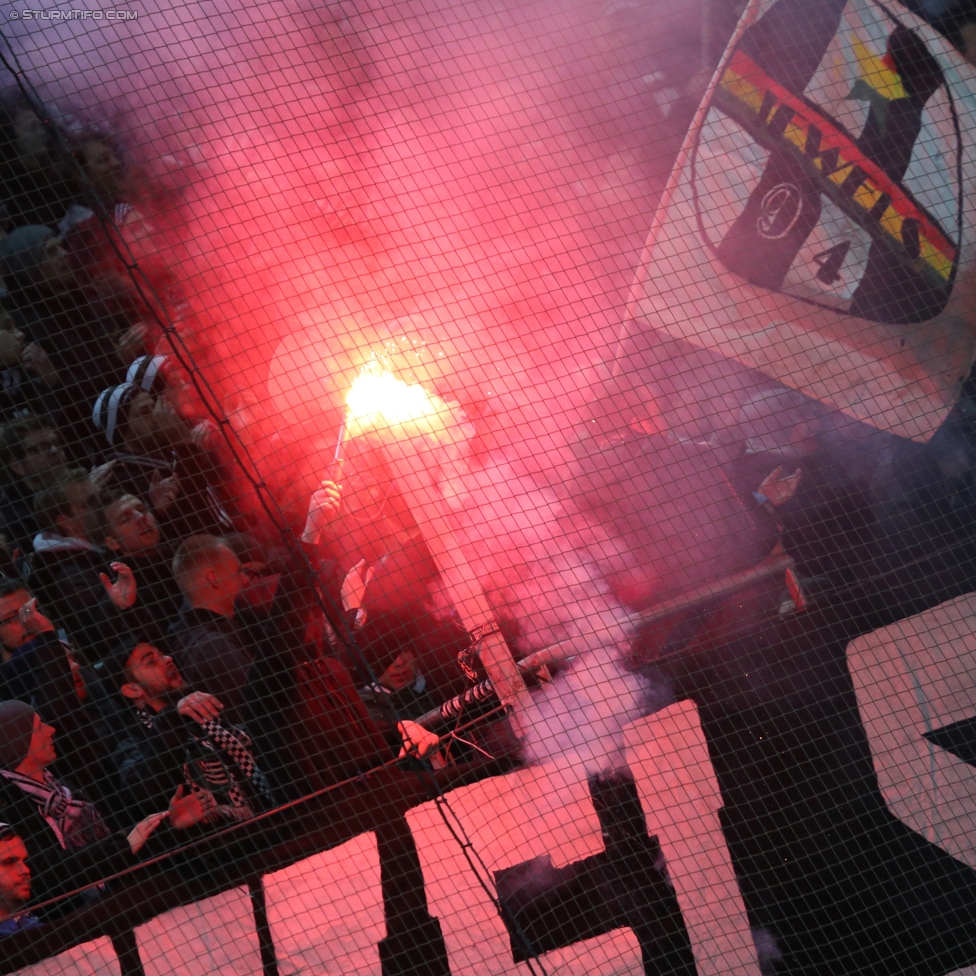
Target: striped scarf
{"points": [[223, 764], [76, 823]]}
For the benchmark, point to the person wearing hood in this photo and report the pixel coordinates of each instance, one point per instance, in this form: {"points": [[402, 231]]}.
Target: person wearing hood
{"points": [[76, 326], [69, 843], [66, 567], [153, 456]]}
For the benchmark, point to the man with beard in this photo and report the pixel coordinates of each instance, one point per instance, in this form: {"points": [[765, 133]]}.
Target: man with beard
{"points": [[69, 843], [43, 671], [15, 886], [177, 741]]}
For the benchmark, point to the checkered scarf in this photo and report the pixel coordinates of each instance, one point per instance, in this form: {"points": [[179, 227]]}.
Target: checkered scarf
{"points": [[221, 762]]}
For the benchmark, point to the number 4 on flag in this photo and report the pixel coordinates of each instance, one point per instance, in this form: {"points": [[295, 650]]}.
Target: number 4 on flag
{"points": [[830, 262]]}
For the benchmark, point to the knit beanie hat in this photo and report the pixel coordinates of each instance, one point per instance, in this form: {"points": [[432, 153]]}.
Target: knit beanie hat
{"points": [[147, 372], [111, 409], [16, 730], [22, 250]]}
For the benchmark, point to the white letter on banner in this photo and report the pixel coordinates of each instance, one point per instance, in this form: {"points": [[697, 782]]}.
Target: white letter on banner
{"points": [[668, 757], [96, 958], [326, 912], [209, 937], [511, 819], [917, 676]]}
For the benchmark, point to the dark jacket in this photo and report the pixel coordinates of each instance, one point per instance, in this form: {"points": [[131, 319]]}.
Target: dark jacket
{"points": [[158, 599], [55, 870], [151, 756], [309, 724], [673, 503], [17, 520], [39, 673], [198, 509], [64, 577], [78, 332], [34, 197], [20, 392], [67, 576], [212, 655]]}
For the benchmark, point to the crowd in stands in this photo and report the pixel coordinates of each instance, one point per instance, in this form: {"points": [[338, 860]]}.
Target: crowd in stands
{"points": [[163, 673], [160, 675]]}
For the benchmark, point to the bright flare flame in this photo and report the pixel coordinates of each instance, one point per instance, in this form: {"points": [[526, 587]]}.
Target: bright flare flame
{"points": [[375, 397]]}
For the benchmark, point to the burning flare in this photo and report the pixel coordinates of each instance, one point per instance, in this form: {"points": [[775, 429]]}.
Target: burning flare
{"points": [[378, 398]]}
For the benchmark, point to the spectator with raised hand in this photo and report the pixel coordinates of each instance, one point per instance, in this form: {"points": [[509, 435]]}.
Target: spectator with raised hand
{"points": [[76, 327], [15, 886], [153, 456], [177, 742], [137, 588], [323, 507], [69, 843], [31, 458]]}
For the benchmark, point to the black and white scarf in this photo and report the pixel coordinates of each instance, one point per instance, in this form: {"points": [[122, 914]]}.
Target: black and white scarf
{"points": [[76, 823], [220, 761], [223, 764]]}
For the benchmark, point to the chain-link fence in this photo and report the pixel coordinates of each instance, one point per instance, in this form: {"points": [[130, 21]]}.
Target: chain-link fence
{"points": [[487, 488]]}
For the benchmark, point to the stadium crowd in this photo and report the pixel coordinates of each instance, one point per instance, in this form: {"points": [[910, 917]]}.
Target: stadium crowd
{"points": [[161, 673]]}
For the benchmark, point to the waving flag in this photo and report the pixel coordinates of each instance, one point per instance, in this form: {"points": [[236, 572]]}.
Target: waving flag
{"points": [[816, 225]]}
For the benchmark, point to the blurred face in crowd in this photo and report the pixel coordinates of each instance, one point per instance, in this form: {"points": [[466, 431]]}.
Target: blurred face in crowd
{"points": [[141, 423], [103, 168], [151, 676], [152, 423], [53, 272], [170, 426], [30, 140], [130, 528], [14, 876], [80, 496], [181, 396], [227, 577], [43, 455], [402, 672], [11, 342], [12, 632], [41, 752]]}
